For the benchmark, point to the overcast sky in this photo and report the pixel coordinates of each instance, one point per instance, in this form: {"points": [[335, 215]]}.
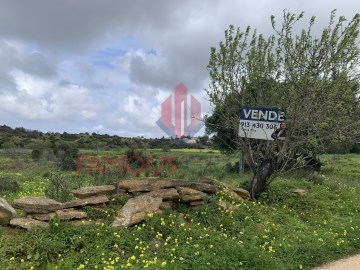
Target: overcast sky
{"points": [[107, 65]]}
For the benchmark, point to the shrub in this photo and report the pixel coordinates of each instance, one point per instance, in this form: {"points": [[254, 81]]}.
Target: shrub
{"points": [[313, 162], [109, 177], [36, 154], [67, 154], [67, 163], [132, 152], [48, 154], [355, 148], [135, 159], [8, 185], [166, 148], [59, 188]]}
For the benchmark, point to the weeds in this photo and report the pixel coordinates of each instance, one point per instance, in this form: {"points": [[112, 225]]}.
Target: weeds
{"points": [[8, 185], [283, 230]]}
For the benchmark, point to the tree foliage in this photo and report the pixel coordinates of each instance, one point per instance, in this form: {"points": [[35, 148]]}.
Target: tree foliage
{"points": [[316, 78]]}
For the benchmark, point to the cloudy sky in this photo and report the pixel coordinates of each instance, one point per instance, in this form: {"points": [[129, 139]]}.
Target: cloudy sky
{"points": [[106, 66]]}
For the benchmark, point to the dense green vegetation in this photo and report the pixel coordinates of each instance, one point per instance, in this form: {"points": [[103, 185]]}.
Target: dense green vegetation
{"points": [[282, 230], [13, 140]]}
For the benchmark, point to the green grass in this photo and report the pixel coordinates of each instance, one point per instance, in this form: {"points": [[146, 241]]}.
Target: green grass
{"points": [[342, 170], [283, 230]]}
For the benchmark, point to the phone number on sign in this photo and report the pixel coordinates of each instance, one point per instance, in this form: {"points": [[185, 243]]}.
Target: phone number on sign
{"points": [[258, 125]]}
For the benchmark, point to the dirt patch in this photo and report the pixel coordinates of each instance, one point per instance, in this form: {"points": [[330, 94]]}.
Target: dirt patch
{"points": [[350, 263]]}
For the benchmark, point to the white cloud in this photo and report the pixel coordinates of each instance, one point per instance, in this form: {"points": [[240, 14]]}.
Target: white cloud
{"points": [[37, 98]]}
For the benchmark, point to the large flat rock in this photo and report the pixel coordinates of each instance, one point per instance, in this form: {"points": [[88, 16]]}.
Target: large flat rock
{"points": [[190, 195], [243, 193], [86, 192], [7, 212], [28, 223], [41, 205], [145, 184], [152, 183], [63, 214], [170, 194], [86, 201], [135, 210]]}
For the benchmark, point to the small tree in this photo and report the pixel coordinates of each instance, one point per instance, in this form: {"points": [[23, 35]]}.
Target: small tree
{"points": [[315, 78], [67, 154], [10, 147], [36, 154]]}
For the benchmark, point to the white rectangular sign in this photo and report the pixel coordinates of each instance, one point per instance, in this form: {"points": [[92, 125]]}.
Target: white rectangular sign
{"points": [[260, 123]]}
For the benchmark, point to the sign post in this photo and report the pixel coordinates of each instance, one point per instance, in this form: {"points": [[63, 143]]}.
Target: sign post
{"points": [[260, 123], [241, 162]]}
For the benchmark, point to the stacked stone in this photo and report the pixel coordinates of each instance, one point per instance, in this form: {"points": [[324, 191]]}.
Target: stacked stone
{"points": [[144, 196], [157, 194], [38, 210]]}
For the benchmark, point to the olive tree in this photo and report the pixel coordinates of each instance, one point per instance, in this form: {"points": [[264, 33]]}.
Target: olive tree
{"points": [[316, 78]]}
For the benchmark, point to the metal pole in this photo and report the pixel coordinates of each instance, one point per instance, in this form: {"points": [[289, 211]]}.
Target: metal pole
{"points": [[241, 163]]}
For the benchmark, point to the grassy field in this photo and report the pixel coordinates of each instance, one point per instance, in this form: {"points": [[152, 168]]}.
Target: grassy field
{"points": [[282, 230]]}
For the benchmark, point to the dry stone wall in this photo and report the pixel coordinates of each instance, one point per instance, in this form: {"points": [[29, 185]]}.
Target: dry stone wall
{"points": [[144, 196]]}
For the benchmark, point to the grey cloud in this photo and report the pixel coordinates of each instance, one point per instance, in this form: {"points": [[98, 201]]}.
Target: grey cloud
{"points": [[64, 83], [14, 58], [74, 24], [38, 64], [150, 70], [95, 86], [7, 83], [34, 63]]}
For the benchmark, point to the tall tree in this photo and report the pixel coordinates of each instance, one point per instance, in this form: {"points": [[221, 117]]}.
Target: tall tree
{"points": [[315, 78]]}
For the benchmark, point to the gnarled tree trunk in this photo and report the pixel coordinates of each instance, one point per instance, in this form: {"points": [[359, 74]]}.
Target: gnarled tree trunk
{"points": [[261, 177]]}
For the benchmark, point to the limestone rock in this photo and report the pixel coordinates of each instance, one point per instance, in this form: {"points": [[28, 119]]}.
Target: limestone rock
{"points": [[195, 203], [86, 201], [135, 209], [203, 187], [146, 184], [232, 194], [243, 193], [119, 193], [42, 217], [165, 194], [208, 180], [97, 222], [63, 214], [167, 205], [189, 194], [40, 205], [154, 183], [28, 223], [120, 197], [68, 214], [299, 191], [86, 192], [227, 206], [239, 191], [7, 212]]}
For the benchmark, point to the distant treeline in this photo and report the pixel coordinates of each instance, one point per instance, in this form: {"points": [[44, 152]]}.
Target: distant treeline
{"points": [[20, 137]]}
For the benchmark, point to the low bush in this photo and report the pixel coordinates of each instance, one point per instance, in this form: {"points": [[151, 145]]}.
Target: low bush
{"points": [[59, 187], [8, 185], [36, 154]]}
